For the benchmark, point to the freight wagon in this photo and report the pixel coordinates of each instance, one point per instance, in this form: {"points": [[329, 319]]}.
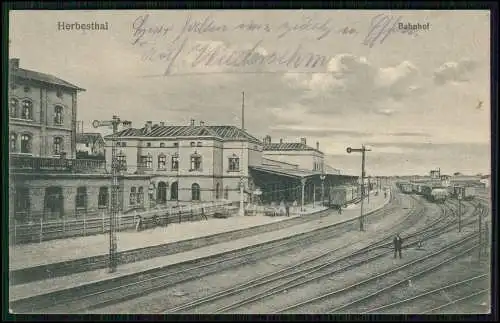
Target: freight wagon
{"points": [[341, 195], [405, 187], [464, 192], [434, 194]]}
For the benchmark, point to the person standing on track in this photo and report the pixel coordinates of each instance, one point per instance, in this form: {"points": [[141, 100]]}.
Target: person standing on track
{"points": [[398, 245]]}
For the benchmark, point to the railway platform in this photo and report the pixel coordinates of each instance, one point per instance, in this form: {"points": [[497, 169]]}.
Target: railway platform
{"points": [[52, 251], [189, 230]]}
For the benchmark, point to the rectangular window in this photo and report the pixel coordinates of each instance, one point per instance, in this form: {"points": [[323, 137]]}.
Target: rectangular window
{"points": [[175, 162], [196, 162], [147, 161], [234, 164], [162, 162]]}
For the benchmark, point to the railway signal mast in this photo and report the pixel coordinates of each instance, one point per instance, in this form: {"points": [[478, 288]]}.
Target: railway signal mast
{"points": [[113, 215], [361, 150]]}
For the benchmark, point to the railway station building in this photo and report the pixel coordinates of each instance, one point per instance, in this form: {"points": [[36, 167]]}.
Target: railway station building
{"points": [[48, 181], [199, 162]]}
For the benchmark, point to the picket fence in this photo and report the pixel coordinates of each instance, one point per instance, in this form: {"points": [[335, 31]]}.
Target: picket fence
{"points": [[85, 226]]}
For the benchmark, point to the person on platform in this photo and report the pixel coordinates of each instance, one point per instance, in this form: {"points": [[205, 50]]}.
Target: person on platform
{"points": [[287, 208], [398, 245]]}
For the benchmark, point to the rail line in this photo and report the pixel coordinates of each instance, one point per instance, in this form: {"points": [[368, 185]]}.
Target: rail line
{"points": [[293, 274], [465, 298], [121, 289], [375, 278], [450, 288]]}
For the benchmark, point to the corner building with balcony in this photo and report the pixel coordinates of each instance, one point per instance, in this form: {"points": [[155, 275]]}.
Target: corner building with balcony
{"points": [[47, 181]]}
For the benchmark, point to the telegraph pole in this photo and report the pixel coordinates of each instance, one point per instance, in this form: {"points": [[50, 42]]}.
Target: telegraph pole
{"points": [[115, 168], [480, 232], [459, 197], [362, 151]]}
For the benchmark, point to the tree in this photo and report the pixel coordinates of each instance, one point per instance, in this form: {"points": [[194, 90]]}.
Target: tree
{"points": [[457, 174]]}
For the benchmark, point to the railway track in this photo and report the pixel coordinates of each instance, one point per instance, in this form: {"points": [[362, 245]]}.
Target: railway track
{"points": [[304, 272], [393, 277], [460, 291], [124, 288]]}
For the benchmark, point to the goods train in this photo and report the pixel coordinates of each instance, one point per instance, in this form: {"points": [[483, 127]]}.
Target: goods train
{"points": [[405, 187], [464, 192], [434, 194], [341, 195]]}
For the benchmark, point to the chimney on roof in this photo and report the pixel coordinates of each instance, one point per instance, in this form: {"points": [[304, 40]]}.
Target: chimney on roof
{"points": [[281, 140], [148, 126], [14, 62], [317, 145], [303, 141], [202, 123], [162, 124], [192, 122], [127, 124]]}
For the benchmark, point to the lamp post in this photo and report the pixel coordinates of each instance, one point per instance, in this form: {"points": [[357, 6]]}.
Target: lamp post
{"points": [[322, 177], [115, 168], [362, 150]]}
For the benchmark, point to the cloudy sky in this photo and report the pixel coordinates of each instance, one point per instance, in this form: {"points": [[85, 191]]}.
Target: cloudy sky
{"points": [[413, 98]]}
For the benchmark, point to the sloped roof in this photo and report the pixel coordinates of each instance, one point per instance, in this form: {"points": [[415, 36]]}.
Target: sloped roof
{"points": [[291, 172], [288, 146], [221, 132], [42, 77], [88, 137]]}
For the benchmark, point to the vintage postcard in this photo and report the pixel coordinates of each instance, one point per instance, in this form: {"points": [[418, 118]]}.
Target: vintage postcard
{"points": [[257, 162]]}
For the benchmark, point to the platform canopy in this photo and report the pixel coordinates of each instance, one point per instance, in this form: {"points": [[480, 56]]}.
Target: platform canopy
{"points": [[295, 172]]}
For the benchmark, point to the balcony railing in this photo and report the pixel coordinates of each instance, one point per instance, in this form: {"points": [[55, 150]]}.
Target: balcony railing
{"points": [[44, 164]]}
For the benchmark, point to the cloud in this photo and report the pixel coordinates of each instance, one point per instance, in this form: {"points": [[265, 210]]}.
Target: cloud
{"points": [[353, 82], [317, 132], [454, 72]]}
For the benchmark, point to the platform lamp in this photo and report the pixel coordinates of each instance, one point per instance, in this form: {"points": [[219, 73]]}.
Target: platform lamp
{"points": [[322, 177]]}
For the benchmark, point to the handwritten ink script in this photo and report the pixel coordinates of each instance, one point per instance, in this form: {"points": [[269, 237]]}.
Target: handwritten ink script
{"points": [[172, 44]]}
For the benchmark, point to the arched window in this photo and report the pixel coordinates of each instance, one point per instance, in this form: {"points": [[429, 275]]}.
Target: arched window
{"points": [[161, 194], [226, 193], [132, 197], [195, 162], [58, 114], [103, 197], [175, 162], [27, 110], [140, 196], [81, 197], [162, 145], [162, 161], [26, 143], [174, 194], [13, 142], [195, 192], [217, 191], [14, 105], [58, 145]]}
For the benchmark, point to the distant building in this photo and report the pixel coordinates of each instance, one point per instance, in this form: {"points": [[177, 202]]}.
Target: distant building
{"points": [[90, 144], [299, 153], [47, 180]]}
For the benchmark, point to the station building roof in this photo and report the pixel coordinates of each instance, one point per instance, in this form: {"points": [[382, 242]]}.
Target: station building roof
{"points": [[293, 173]]}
